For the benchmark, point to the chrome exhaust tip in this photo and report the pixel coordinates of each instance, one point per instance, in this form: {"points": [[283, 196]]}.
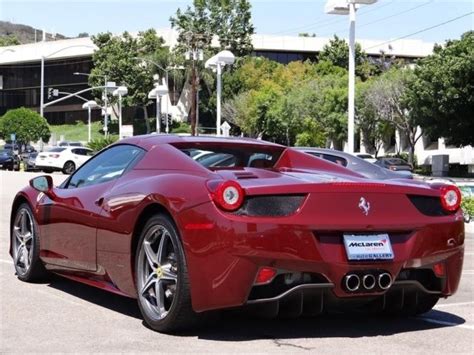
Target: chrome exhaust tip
{"points": [[368, 281], [385, 281], [352, 282]]}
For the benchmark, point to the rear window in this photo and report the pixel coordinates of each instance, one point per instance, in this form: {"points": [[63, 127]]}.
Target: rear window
{"points": [[396, 161], [56, 150], [225, 156]]}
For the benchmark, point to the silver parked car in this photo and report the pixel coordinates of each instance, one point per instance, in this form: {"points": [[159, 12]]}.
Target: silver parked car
{"points": [[356, 164]]}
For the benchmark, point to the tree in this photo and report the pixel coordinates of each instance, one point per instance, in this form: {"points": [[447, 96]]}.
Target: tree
{"points": [[388, 98], [229, 19], [83, 34], [9, 40], [442, 94], [337, 52], [26, 124], [116, 59]]}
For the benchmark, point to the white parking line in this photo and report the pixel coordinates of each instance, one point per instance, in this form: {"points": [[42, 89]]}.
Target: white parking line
{"points": [[444, 305], [442, 322]]}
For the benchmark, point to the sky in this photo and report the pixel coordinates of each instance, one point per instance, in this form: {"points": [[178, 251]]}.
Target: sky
{"points": [[384, 20]]}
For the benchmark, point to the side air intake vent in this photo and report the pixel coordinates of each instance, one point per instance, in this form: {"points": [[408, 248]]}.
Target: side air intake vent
{"points": [[428, 205], [270, 205]]}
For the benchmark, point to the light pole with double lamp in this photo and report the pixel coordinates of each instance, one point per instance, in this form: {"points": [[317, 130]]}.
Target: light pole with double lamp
{"points": [[216, 63], [157, 93], [349, 7], [89, 105], [120, 92]]}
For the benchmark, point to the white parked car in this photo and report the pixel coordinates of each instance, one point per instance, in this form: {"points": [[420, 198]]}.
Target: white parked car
{"points": [[65, 159]]}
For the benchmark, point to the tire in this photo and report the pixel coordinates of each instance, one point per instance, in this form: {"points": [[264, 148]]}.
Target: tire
{"points": [[163, 293], [69, 167], [26, 246]]}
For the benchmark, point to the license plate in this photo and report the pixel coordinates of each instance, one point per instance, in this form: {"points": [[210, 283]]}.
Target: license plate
{"points": [[1, 165], [368, 247]]}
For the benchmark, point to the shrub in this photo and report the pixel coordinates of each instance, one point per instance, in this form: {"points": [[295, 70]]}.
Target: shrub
{"points": [[468, 205], [26, 124], [100, 143]]}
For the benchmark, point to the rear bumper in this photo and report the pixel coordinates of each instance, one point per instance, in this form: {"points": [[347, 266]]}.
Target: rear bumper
{"points": [[225, 253]]}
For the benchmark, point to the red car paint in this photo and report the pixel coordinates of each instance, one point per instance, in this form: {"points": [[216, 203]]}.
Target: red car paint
{"points": [[88, 233]]}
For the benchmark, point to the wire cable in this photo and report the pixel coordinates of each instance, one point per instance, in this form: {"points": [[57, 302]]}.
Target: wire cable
{"points": [[326, 21], [422, 30], [391, 16]]}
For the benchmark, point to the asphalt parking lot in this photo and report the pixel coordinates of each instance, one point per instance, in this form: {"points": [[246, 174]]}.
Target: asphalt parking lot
{"points": [[63, 316]]}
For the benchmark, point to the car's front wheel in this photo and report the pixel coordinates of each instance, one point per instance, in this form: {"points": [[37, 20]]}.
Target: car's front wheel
{"points": [[69, 167], [25, 242], [162, 277]]}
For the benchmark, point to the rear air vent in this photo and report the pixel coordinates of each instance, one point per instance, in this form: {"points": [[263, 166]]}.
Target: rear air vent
{"points": [[428, 205], [270, 205], [240, 175]]}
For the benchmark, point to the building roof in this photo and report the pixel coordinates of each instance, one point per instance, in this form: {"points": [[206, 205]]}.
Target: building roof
{"points": [[83, 47]]}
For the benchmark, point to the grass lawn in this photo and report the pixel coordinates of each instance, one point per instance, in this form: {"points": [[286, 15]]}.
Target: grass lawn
{"points": [[76, 132]]}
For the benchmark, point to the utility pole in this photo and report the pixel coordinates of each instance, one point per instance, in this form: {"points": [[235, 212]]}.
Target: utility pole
{"points": [[195, 43]]}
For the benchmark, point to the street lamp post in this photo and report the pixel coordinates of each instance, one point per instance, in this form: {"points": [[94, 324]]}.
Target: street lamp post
{"points": [[120, 92], [348, 7], [216, 63], [43, 58], [89, 105], [157, 93]]}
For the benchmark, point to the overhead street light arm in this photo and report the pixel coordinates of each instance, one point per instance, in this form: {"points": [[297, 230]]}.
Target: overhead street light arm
{"points": [[72, 95]]}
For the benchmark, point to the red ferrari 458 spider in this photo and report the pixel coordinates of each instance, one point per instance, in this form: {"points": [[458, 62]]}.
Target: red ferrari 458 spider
{"points": [[192, 224]]}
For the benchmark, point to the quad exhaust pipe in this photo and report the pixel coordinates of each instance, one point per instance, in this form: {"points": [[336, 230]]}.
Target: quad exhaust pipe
{"points": [[353, 282], [385, 280]]}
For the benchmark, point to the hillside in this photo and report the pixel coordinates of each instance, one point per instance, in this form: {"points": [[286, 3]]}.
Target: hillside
{"points": [[23, 33]]}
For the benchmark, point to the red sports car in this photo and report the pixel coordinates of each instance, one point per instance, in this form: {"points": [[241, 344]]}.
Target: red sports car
{"points": [[260, 225]]}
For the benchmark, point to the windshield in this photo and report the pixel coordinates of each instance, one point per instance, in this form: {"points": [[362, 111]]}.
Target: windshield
{"points": [[213, 156]]}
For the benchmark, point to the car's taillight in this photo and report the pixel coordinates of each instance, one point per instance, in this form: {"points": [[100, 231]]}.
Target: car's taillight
{"points": [[229, 196], [265, 275], [54, 155], [393, 168], [450, 198]]}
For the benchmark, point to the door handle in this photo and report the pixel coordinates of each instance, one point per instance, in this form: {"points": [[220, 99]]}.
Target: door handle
{"points": [[100, 201]]}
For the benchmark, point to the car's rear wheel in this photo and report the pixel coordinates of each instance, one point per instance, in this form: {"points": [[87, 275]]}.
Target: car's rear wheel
{"points": [[162, 277], [25, 242], [69, 167]]}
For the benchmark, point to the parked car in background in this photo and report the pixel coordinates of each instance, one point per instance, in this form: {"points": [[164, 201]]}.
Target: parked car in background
{"points": [[394, 164], [9, 160], [368, 157], [70, 144], [65, 159], [354, 163], [25, 153], [30, 161]]}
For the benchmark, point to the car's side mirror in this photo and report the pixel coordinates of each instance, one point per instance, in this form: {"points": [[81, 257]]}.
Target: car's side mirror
{"points": [[43, 184]]}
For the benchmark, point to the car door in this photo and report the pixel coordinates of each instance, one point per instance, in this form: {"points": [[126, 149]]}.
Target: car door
{"points": [[68, 223]]}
